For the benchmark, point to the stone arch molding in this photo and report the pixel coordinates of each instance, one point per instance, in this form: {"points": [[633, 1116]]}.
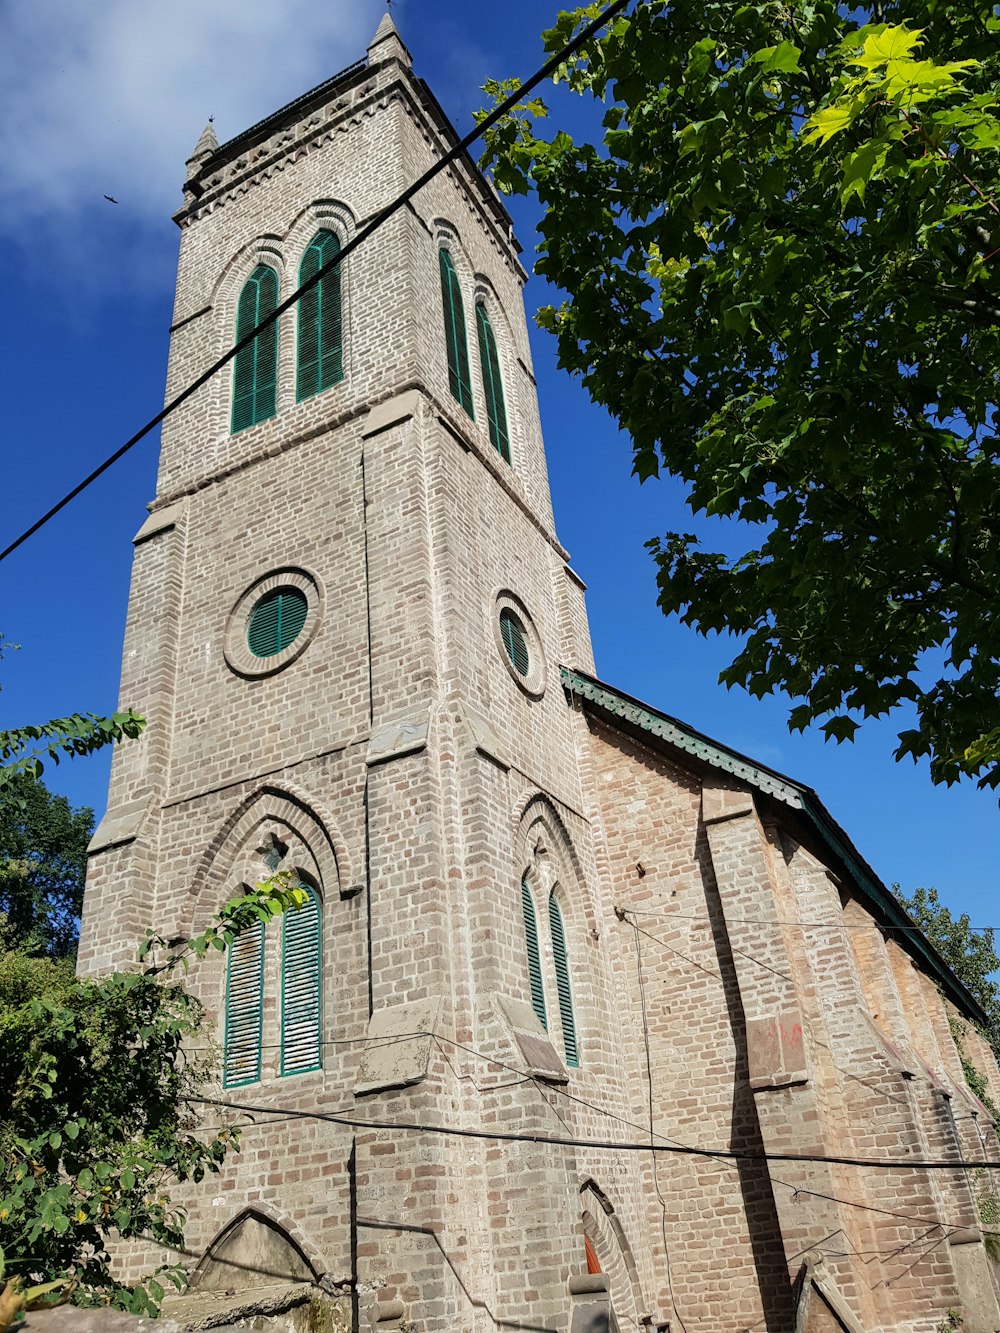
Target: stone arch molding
{"points": [[231, 854], [542, 838], [257, 1247], [602, 1226], [283, 250], [268, 249], [329, 213]]}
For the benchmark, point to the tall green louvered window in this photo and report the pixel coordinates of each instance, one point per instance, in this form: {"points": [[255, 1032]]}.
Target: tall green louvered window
{"points": [[255, 378], [496, 411], [454, 331], [244, 1008], [562, 983], [276, 621], [515, 640], [321, 337], [534, 956], [301, 972]]}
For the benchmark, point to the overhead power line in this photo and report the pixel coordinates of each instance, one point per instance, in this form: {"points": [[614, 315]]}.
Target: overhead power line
{"points": [[784, 921], [453, 153], [598, 1145]]}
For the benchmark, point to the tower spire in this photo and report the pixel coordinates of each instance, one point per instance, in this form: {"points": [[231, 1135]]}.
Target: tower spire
{"points": [[204, 148], [387, 44]]}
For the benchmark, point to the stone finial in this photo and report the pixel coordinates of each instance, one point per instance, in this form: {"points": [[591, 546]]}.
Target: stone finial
{"points": [[387, 44], [203, 149]]}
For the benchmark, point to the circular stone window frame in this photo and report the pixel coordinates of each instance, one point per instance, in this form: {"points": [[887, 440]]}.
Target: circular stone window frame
{"points": [[236, 649], [533, 684]]}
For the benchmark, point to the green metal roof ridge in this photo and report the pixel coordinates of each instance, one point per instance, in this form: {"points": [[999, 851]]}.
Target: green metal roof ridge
{"points": [[791, 793], [684, 737]]}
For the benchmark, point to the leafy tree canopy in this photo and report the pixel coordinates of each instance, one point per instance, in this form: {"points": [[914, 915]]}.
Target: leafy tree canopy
{"points": [[780, 255], [96, 1125], [43, 856], [971, 954]]}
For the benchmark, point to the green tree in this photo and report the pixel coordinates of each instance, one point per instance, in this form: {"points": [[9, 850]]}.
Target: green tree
{"points": [[43, 858], [971, 954], [94, 1109], [780, 256]]}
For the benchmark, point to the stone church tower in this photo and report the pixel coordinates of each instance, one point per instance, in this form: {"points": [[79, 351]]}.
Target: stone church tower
{"points": [[365, 659]]}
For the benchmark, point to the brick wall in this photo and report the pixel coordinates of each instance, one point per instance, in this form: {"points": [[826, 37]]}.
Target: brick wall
{"points": [[417, 779]]}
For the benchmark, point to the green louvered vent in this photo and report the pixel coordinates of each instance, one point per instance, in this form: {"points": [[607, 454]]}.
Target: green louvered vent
{"points": [[515, 640], [496, 411], [255, 377], [244, 1009], [276, 621], [534, 957], [454, 332], [300, 987], [562, 983], [321, 341]]}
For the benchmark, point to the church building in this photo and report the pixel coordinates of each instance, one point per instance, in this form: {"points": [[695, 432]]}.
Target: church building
{"points": [[589, 1022]]}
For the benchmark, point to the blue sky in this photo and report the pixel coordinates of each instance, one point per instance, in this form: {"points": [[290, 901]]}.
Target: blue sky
{"points": [[110, 99]]}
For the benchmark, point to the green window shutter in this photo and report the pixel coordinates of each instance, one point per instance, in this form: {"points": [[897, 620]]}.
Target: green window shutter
{"points": [[255, 376], [244, 1008], [562, 983], [496, 411], [515, 640], [534, 957], [276, 621], [459, 379], [301, 975], [321, 336]]}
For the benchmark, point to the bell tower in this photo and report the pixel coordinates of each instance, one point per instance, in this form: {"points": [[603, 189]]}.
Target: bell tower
{"points": [[347, 615]]}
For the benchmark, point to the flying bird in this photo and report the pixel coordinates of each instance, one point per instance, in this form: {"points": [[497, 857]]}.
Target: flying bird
{"points": [[110, 200]]}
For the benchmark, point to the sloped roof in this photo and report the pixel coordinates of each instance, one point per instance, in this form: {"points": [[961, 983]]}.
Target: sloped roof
{"points": [[676, 736]]}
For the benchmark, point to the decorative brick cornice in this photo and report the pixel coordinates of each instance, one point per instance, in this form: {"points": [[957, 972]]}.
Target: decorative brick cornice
{"points": [[225, 178]]}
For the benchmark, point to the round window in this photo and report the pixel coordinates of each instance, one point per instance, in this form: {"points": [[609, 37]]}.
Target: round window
{"points": [[515, 640], [273, 622], [276, 621]]}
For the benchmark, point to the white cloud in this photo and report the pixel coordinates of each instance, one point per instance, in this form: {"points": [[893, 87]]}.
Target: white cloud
{"points": [[109, 96]]}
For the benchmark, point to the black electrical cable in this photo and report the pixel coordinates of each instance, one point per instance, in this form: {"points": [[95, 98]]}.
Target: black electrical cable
{"points": [[600, 1145], [784, 921], [381, 217]]}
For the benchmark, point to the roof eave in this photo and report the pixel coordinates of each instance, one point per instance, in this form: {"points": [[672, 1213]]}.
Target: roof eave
{"points": [[678, 736]]}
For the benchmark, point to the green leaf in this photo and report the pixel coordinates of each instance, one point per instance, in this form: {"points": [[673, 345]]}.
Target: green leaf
{"points": [[830, 120], [859, 167], [781, 59]]}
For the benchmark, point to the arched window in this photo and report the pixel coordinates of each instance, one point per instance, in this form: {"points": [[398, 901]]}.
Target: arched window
{"points": [[534, 956], [496, 411], [321, 338], [244, 1008], [562, 983], [255, 377], [301, 986], [252, 969], [454, 331]]}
